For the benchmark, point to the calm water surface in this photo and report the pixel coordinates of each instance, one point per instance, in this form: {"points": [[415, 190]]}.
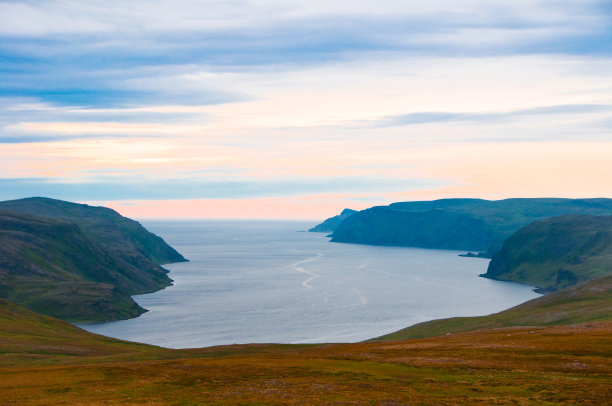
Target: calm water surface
{"points": [[263, 281]]}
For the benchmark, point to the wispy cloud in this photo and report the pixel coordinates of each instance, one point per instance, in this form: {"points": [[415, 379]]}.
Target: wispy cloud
{"points": [[138, 188], [444, 117]]}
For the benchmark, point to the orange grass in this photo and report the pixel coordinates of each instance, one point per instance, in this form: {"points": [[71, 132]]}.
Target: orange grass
{"points": [[543, 365]]}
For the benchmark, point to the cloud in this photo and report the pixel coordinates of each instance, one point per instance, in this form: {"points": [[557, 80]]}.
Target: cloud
{"points": [[30, 139], [445, 117], [44, 18], [139, 188]]}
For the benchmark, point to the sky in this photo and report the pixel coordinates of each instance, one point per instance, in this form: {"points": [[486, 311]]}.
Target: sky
{"points": [[298, 109]]}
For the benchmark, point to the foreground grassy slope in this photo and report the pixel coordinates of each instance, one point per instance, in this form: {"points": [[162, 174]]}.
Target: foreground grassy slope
{"points": [[45, 361], [555, 253], [78, 262], [461, 224], [587, 302], [29, 338]]}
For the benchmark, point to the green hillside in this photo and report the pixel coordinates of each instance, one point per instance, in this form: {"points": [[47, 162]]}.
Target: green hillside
{"points": [[459, 224], [555, 253], [27, 338], [77, 262]]}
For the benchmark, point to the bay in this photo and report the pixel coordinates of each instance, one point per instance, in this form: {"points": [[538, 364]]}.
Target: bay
{"points": [[267, 281]]}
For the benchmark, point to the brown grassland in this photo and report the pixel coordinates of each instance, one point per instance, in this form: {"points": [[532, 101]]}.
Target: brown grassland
{"points": [[44, 361]]}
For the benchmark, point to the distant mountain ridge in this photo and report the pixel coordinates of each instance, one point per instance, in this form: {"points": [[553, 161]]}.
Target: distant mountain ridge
{"points": [[457, 224], [78, 262]]}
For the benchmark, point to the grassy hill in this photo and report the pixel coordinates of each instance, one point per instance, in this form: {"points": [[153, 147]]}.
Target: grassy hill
{"points": [[459, 224], [29, 338], [555, 253], [77, 262], [45, 361]]}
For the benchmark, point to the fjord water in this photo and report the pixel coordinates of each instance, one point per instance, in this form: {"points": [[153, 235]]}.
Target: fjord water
{"points": [[264, 281]]}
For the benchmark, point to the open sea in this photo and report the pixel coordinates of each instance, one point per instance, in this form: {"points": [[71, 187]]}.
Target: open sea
{"points": [[270, 282]]}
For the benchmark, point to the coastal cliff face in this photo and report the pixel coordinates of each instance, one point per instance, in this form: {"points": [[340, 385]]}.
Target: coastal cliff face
{"points": [[427, 229], [460, 224], [78, 262], [332, 223], [556, 253]]}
